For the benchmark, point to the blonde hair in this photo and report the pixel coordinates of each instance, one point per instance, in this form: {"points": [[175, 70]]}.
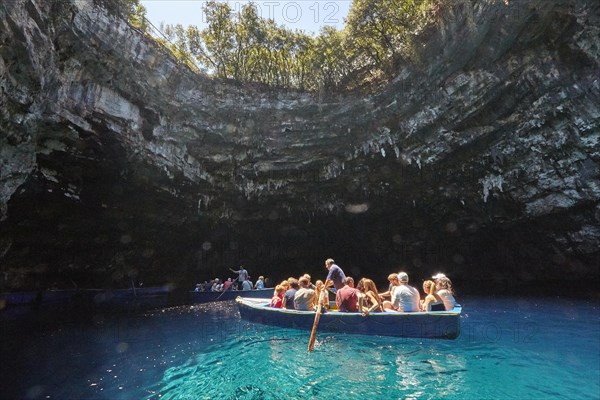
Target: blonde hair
{"points": [[279, 289], [429, 285]]}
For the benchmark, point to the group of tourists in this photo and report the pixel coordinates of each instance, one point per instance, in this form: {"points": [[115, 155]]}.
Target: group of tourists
{"points": [[242, 282], [302, 294]]}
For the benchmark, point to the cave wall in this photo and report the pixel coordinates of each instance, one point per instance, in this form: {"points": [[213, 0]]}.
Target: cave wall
{"points": [[479, 159]]}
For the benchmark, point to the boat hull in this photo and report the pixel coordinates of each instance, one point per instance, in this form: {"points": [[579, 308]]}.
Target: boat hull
{"points": [[207, 297], [434, 325]]}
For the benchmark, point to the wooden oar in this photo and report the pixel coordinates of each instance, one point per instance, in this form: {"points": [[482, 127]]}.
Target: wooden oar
{"points": [[313, 332]]}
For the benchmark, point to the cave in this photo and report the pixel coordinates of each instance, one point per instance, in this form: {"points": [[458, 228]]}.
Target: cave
{"points": [[119, 164]]}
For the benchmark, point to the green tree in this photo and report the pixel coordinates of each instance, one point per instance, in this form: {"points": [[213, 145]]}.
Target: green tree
{"points": [[249, 39], [329, 59], [300, 70], [381, 30], [247, 48], [177, 40], [218, 38], [137, 15], [132, 10]]}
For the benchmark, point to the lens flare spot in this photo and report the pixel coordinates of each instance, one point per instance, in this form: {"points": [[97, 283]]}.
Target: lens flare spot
{"points": [[357, 208], [122, 347]]}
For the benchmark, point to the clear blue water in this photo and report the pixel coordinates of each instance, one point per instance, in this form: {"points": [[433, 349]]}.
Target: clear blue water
{"points": [[510, 348]]}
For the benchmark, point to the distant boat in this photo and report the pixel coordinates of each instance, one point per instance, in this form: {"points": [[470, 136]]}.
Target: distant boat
{"points": [[433, 325], [20, 298], [207, 297], [58, 296], [138, 293]]}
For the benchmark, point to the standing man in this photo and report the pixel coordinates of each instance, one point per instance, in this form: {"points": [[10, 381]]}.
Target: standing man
{"points": [[336, 276], [242, 276]]}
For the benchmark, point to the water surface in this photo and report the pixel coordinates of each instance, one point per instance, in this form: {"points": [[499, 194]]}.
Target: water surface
{"points": [[509, 348]]}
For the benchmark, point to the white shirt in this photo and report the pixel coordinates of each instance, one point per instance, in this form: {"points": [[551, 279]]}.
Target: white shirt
{"points": [[246, 285], [406, 298], [447, 298]]}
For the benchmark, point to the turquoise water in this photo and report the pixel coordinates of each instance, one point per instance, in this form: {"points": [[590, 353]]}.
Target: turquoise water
{"points": [[510, 348]]}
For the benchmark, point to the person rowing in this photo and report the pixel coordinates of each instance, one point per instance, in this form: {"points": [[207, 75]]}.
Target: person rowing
{"points": [[242, 276], [336, 276]]}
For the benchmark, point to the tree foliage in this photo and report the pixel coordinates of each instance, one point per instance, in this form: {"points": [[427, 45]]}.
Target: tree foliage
{"points": [[247, 48], [381, 30], [133, 10]]}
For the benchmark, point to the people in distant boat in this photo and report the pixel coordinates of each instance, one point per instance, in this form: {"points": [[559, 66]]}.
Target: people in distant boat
{"points": [[242, 275], [432, 300], [208, 285], [217, 286], [260, 283], [444, 291], [199, 287], [336, 276], [346, 297], [404, 297], [369, 300], [277, 299], [288, 296], [227, 285], [285, 284], [247, 285]]}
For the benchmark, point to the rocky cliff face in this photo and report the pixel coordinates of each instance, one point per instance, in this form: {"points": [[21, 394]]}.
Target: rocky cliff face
{"points": [[482, 160]]}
